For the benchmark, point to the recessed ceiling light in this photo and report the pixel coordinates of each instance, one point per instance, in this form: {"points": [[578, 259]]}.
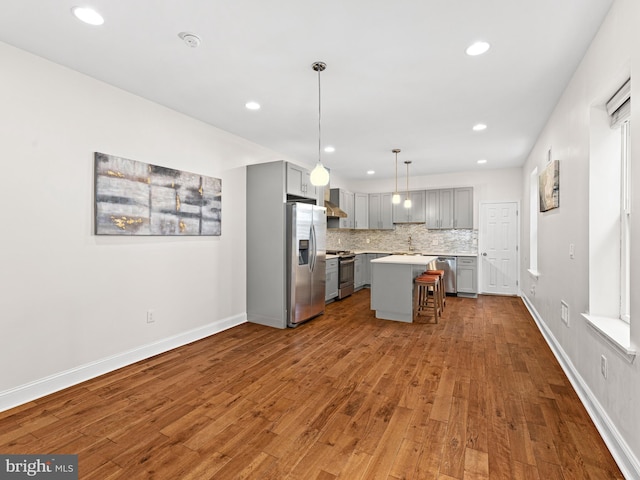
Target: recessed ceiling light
{"points": [[329, 149], [479, 127], [477, 48], [370, 172], [87, 15], [482, 161], [252, 105]]}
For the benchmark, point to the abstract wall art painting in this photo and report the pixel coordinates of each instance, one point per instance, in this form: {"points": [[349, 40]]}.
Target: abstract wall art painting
{"points": [[549, 187], [136, 198]]}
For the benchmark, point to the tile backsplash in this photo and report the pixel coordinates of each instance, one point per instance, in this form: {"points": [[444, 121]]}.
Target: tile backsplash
{"points": [[422, 239]]}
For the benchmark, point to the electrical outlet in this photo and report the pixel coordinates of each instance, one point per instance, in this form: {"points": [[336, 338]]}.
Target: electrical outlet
{"points": [[533, 290], [151, 316], [572, 250], [368, 240], [564, 312], [603, 366]]}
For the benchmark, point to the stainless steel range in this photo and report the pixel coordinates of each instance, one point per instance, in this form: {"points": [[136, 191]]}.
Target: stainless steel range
{"points": [[346, 271]]}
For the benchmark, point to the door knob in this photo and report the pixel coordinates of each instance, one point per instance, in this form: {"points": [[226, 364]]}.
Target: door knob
{"points": [[484, 254]]}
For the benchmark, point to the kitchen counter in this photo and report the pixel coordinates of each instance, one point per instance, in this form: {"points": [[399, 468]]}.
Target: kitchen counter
{"points": [[435, 254], [405, 260], [392, 285]]}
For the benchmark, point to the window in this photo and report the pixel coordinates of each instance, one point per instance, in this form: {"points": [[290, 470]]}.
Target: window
{"points": [[625, 230], [609, 220]]}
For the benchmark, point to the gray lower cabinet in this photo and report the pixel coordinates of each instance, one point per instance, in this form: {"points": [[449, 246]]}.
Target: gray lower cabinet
{"points": [[467, 276], [358, 281], [331, 288]]}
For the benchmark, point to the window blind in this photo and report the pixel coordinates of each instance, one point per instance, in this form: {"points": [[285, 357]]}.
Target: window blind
{"points": [[619, 105]]}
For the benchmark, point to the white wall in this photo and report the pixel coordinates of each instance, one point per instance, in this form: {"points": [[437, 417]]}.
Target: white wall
{"points": [[70, 298], [613, 402]]}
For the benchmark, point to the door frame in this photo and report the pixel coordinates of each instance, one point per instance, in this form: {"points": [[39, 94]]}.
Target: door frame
{"points": [[481, 236]]}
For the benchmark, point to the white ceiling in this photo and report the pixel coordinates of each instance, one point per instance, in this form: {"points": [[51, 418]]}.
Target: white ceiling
{"points": [[397, 75]]}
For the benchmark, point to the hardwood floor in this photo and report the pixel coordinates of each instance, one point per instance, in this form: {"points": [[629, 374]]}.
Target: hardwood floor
{"points": [[477, 396]]}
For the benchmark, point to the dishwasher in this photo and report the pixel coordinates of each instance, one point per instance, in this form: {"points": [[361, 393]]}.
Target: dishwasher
{"points": [[448, 264]]}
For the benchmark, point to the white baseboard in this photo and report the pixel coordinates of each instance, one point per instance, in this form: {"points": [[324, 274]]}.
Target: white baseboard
{"points": [[39, 388], [622, 454]]}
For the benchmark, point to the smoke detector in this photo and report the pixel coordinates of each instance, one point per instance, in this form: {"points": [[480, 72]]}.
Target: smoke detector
{"points": [[190, 39]]}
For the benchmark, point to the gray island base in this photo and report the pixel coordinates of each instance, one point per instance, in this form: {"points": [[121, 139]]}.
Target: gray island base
{"points": [[392, 285]]}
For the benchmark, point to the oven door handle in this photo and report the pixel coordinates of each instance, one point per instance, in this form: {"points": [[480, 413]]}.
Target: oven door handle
{"points": [[347, 261]]}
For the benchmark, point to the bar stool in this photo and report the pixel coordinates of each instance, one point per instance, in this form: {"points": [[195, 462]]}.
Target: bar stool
{"points": [[443, 294], [427, 296]]}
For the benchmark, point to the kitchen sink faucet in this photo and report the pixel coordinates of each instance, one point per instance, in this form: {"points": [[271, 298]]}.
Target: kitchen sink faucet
{"points": [[410, 244]]}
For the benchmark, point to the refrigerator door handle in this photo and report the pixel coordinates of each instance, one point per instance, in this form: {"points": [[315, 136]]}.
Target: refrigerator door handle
{"points": [[312, 250]]}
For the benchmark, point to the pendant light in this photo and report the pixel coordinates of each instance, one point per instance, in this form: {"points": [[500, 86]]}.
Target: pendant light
{"points": [[407, 202], [319, 175], [396, 196]]}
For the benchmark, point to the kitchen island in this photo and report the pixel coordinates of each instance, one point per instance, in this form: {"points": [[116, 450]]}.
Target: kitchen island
{"points": [[392, 285]]}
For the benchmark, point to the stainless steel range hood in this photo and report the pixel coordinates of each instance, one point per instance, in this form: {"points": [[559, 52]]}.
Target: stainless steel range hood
{"points": [[332, 209]]}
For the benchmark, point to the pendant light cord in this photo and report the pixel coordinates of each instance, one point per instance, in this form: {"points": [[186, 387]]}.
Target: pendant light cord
{"points": [[396, 190], [319, 120]]}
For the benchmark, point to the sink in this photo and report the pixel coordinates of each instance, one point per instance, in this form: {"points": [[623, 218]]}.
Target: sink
{"points": [[407, 253]]}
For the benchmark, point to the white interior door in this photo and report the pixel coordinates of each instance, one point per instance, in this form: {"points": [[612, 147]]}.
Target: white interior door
{"points": [[498, 248]]}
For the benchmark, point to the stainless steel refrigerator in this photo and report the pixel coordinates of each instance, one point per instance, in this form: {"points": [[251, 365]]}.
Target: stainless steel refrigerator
{"points": [[306, 262]]}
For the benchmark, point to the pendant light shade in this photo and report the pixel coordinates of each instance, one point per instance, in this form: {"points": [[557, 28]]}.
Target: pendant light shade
{"points": [[395, 198], [407, 202], [319, 175]]}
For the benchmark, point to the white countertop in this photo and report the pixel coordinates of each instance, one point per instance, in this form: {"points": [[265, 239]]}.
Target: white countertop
{"points": [[405, 259], [437, 254]]}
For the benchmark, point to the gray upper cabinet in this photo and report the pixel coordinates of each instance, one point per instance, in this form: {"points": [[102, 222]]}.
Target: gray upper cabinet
{"points": [[380, 211], [439, 206], [415, 214], [361, 211], [449, 208], [299, 183], [463, 208]]}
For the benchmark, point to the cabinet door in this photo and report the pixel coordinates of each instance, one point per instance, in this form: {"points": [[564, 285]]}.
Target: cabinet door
{"points": [[466, 275], [446, 208], [374, 210], [380, 211], [299, 182], [361, 211], [386, 211], [415, 214], [331, 279], [366, 268], [349, 209], [358, 281], [463, 208], [417, 211], [400, 214], [432, 209], [295, 181]]}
